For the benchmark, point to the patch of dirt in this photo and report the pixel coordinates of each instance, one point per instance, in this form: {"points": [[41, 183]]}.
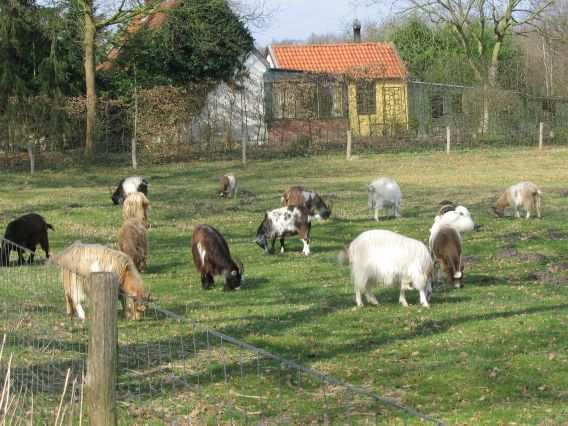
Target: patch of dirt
{"points": [[243, 193], [507, 252], [558, 267], [548, 278], [472, 260], [533, 257], [556, 235]]}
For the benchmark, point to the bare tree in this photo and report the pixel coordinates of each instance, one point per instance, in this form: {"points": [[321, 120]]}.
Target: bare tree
{"points": [[93, 22], [480, 27]]}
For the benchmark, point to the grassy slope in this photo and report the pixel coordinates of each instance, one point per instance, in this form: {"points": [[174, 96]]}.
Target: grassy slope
{"points": [[492, 353]]}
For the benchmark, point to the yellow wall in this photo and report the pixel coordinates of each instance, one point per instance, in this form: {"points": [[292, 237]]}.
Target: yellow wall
{"points": [[391, 113]]}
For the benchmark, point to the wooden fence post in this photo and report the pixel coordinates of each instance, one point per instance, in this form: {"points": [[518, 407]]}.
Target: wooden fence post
{"points": [[448, 140], [541, 135], [102, 357], [349, 141]]}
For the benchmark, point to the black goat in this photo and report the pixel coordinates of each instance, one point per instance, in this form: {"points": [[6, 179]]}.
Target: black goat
{"points": [[26, 232]]}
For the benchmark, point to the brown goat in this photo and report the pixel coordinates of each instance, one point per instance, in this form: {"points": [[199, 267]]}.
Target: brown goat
{"points": [[133, 240], [227, 185], [525, 195], [136, 206], [211, 257], [447, 252], [300, 196]]}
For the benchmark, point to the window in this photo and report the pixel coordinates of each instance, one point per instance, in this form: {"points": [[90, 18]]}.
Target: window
{"points": [[437, 106], [325, 100], [366, 98], [548, 105], [457, 103]]}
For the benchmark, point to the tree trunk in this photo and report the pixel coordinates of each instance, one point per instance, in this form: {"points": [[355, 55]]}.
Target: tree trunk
{"points": [[89, 62], [488, 86]]}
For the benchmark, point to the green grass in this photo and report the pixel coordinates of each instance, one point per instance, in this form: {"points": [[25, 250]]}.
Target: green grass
{"points": [[494, 352]]}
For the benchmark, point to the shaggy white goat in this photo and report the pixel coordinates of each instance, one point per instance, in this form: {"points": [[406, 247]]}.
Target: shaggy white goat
{"points": [[525, 195], [136, 206], [82, 259], [387, 258], [384, 193]]}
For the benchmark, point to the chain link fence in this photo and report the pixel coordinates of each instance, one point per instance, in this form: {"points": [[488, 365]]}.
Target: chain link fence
{"points": [[171, 370], [281, 113]]}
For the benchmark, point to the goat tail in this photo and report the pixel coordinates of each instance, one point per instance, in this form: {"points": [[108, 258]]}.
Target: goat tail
{"points": [[50, 226], [343, 256]]}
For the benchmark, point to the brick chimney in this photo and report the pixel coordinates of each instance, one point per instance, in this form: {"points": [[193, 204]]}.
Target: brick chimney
{"points": [[356, 31]]}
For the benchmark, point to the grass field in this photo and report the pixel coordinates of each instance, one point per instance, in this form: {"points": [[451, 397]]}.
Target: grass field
{"points": [[494, 352]]}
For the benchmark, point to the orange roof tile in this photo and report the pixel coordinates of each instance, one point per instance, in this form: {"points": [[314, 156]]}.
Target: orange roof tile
{"points": [[153, 21], [373, 60]]}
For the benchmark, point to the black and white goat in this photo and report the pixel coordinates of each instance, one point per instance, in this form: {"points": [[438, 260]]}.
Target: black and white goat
{"points": [[128, 186], [284, 222], [211, 257], [26, 232]]}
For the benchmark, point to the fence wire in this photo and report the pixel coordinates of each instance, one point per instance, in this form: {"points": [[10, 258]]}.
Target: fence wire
{"points": [[171, 370], [282, 113]]}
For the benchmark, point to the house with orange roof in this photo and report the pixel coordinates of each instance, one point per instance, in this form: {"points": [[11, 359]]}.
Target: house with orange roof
{"points": [[363, 85]]}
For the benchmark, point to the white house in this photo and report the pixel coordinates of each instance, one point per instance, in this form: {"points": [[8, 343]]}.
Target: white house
{"points": [[234, 111]]}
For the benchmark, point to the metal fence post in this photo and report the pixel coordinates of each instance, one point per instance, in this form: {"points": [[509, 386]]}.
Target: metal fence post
{"points": [[541, 135], [448, 139], [244, 147], [349, 141], [102, 357], [30, 149]]}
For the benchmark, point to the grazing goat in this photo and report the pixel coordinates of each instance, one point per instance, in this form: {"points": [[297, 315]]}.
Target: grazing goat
{"points": [[228, 185], [525, 195], [283, 222], [26, 232], [388, 258], [384, 193], [133, 240], [459, 219], [136, 206], [446, 249], [83, 259], [211, 257], [129, 186], [299, 196]]}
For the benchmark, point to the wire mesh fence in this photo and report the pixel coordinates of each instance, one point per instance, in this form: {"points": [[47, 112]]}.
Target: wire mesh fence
{"points": [[171, 370], [282, 113]]}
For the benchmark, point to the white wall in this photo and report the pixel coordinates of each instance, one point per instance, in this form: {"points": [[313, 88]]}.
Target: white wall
{"points": [[235, 110]]}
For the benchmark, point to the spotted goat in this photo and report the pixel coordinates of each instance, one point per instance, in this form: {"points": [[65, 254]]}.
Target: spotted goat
{"points": [[285, 222]]}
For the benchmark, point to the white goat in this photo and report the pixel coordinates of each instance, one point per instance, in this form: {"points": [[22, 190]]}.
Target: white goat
{"points": [[388, 258], [384, 193], [525, 195], [459, 219]]}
